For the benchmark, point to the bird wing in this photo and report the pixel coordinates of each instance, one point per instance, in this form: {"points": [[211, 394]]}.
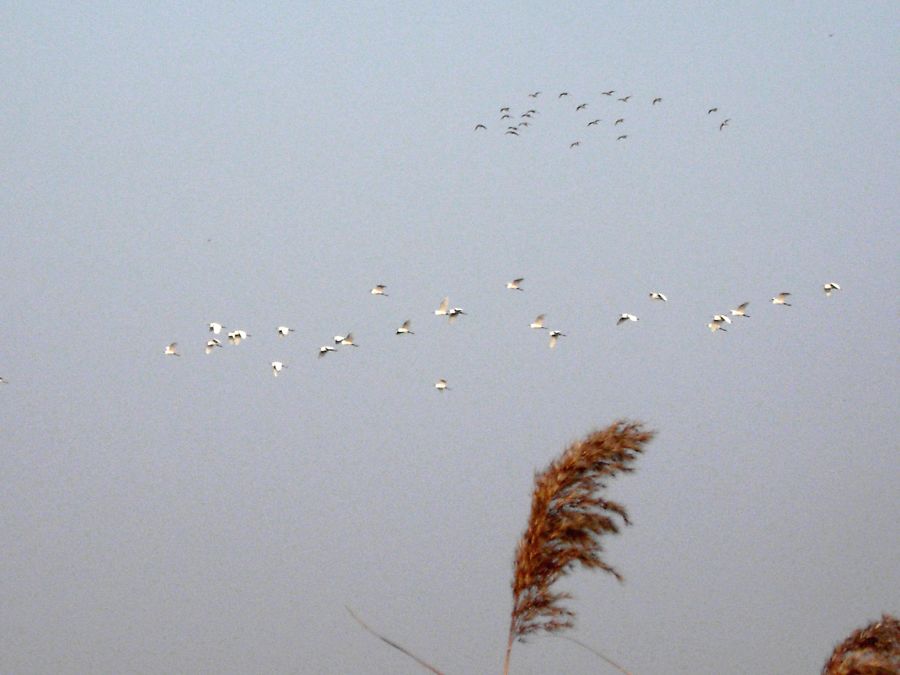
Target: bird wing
{"points": [[445, 303]]}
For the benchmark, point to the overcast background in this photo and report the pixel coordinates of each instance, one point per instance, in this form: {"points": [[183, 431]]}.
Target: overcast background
{"points": [[169, 166]]}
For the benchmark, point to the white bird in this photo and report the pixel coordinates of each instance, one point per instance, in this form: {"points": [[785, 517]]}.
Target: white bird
{"points": [[346, 340], [3, 380], [212, 344], [324, 349], [404, 329], [284, 330], [442, 308], [172, 349], [441, 385], [781, 299], [453, 313], [215, 328], [554, 335], [235, 337], [514, 284], [276, 367], [655, 295], [741, 310], [626, 317], [829, 287], [721, 318], [716, 325], [379, 290], [538, 321]]}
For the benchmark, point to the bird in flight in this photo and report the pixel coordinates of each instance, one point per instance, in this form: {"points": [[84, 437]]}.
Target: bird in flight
{"points": [[345, 340], [781, 299], [581, 106], [724, 124], [237, 336], [442, 308], [554, 336], [283, 331], [212, 344], [593, 122], [404, 329], [379, 290], [829, 288], [656, 100], [3, 380], [324, 349], [741, 310], [720, 318], [565, 93], [480, 126], [624, 99], [716, 325], [504, 110], [513, 132], [453, 313], [622, 137], [538, 321], [514, 285], [277, 366], [574, 144], [619, 121], [656, 295], [608, 93], [215, 328], [626, 317], [441, 385], [711, 111], [535, 94], [172, 349]]}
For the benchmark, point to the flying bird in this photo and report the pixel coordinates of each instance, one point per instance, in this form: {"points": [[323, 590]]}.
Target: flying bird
{"points": [[565, 93], [724, 124], [506, 116], [404, 329], [535, 94], [453, 313], [284, 330], [479, 126], [538, 321], [512, 132], [554, 336], [624, 99], [656, 100], [716, 325], [720, 318], [442, 308], [656, 295], [574, 145], [581, 106], [3, 380], [172, 349], [515, 284], [829, 287], [441, 385], [626, 317], [622, 137], [608, 93], [345, 340], [215, 328], [593, 122], [741, 310], [212, 344], [619, 121], [711, 111], [379, 290], [781, 299], [277, 367], [324, 349], [504, 110], [237, 336]]}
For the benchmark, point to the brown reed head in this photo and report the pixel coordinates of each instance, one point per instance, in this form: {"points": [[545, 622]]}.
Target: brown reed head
{"points": [[568, 518], [873, 650]]}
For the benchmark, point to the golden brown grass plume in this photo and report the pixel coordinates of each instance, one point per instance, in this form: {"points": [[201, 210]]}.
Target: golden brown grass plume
{"points": [[568, 518], [873, 650]]}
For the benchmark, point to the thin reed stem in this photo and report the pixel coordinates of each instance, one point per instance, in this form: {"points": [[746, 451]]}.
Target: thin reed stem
{"points": [[393, 644]]}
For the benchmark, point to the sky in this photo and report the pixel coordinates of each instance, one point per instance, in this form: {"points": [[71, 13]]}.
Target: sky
{"points": [[170, 165]]}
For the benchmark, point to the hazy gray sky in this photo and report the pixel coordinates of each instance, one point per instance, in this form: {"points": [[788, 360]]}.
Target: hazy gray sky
{"points": [[168, 166]]}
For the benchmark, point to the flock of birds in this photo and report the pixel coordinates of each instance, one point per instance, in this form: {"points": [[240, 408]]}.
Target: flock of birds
{"points": [[517, 125], [236, 337]]}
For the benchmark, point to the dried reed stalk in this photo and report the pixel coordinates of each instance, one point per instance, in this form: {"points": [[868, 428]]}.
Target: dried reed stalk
{"points": [[393, 644], [873, 650], [567, 519]]}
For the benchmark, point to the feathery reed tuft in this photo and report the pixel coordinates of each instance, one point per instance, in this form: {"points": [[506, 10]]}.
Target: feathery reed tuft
{"points": [[567, 519], [873, 650]]}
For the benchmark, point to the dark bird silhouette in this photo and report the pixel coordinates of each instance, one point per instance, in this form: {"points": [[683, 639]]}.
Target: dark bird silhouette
{"points": [[656, 100], [619, 121], [525, 115], [593, 122], [582, 106], [724, 124], [575, 144], [504, 110], [624, 99], [522, 124], [513, 132], [711, 111], [479, 126], [535, 94], [609, 93], [565, 93], [507, 116], [622, 137]]}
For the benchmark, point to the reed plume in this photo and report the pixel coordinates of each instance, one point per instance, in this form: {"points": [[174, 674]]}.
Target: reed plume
{"points": [[873, 650], [568, 517]]}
